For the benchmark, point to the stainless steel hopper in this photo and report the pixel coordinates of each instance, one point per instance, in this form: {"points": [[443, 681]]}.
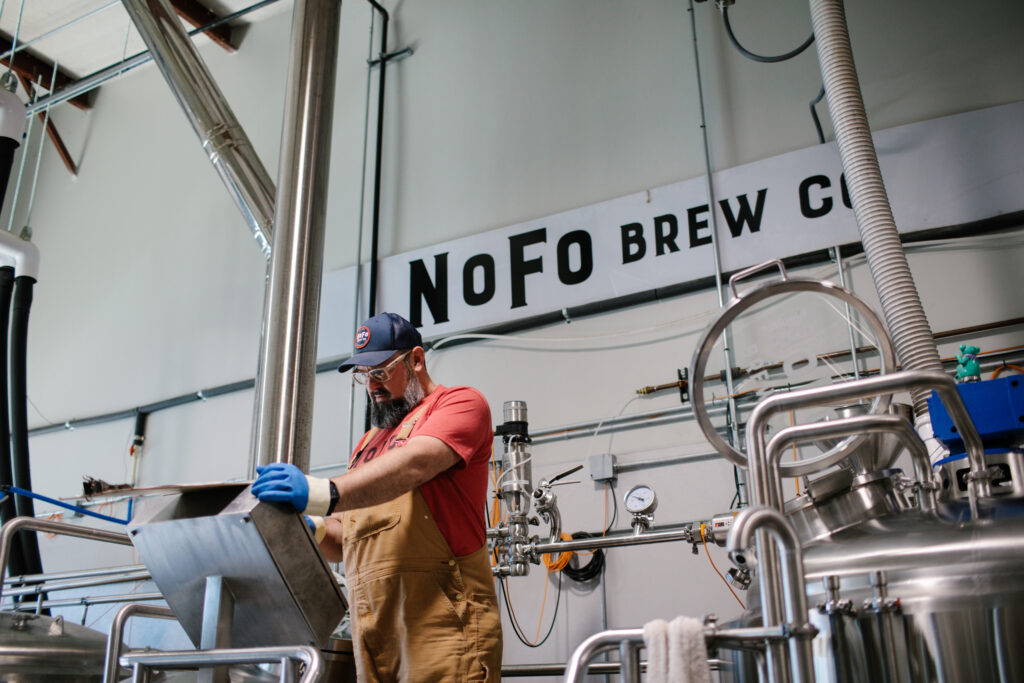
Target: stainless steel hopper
{"points": [[251, 570]]}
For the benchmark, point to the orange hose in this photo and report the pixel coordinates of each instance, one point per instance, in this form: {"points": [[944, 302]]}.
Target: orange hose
{"points": [[563, 558], [1004, 366], [705, 542]]}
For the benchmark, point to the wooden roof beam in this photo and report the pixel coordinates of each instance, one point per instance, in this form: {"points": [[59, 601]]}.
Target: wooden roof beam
{"points": [[197, 14], [39, 70]]}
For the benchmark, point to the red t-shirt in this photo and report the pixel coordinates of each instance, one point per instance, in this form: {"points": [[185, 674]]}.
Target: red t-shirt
{"points": [[457, 498]]}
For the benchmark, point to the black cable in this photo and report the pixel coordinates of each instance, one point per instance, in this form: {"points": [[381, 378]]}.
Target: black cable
{"points": [[761, 58], [737, 499], [814, 114], [591, 570], [515, 626]]}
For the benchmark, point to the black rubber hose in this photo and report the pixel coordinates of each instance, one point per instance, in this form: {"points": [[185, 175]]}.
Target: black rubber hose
{"points": [[8, 510], [591, 570], [756, 57], [814, 115], [19, 414]]}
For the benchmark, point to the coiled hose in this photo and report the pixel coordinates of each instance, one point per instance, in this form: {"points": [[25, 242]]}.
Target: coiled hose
{"points": [[901, 305]]}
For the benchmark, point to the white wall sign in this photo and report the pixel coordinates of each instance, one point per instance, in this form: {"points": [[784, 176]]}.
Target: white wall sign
{"points": [[942, 172]]}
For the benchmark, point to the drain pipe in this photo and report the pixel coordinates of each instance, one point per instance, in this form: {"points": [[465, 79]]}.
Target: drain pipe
{"points": [[25, 258], [901, 305], [284, 396], [223, 138]]}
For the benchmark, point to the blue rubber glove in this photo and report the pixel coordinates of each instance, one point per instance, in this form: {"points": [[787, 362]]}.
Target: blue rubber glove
{"points": [[281, 482]]}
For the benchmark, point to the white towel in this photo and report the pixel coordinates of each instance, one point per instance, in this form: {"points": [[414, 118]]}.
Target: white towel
{"points": [[676, 652], [656, 642]]}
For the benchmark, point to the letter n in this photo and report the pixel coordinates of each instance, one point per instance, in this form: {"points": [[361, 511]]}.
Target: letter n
{"points": [[434, 292]]}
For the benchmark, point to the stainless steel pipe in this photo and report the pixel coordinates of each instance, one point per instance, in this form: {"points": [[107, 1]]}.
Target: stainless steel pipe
{"points": [[284, 390], [860, 424], [32, 524], [97, 600], [46, 586], [220, 133], [601, 542], [764, 518], [114, 640], [75, 574], [619, 423]]}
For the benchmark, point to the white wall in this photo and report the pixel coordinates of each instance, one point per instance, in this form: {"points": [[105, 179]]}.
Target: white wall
{"points": [[151, 286]]}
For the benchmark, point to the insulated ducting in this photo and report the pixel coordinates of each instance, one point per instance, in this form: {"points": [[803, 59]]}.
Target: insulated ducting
{"points": [[222, 136], [901, 305]]}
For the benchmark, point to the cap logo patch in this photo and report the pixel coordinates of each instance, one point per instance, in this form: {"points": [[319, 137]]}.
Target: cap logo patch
{"points": [[362, 337]]}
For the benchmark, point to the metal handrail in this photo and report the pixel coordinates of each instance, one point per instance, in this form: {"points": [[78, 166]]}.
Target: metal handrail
{"points": [[31, 523], [114, 640], [892, 424], [732, 638], [139, 662]]}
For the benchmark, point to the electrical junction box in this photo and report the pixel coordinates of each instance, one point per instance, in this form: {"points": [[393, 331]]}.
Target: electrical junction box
{"points": [[602, 467], [996, 406]]}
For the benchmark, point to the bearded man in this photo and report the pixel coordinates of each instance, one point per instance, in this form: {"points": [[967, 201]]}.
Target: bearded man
{"points": [[407, 518]]}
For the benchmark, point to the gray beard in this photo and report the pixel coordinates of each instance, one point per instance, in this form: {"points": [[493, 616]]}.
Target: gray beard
{"points": [[389, 414]]}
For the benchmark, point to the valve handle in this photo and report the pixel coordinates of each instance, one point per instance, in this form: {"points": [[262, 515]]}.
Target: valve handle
{"points": [[565, 474]]}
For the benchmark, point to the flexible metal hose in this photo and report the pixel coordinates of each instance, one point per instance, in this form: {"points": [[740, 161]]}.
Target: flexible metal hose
{"points": [[901, 305]]}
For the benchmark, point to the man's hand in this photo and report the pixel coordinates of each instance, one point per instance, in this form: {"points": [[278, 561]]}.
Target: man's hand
{"points": [[281, 482]]}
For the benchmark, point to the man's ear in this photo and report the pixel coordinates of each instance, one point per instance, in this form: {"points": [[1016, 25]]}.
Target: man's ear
{"points": [[419, 358]]}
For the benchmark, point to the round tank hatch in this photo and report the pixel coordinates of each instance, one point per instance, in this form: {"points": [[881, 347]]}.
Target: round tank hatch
{"points": [[40, 648]]}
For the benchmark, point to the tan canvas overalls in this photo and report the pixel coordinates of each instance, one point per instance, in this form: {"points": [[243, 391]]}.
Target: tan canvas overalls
{"points": [[419, 612]]}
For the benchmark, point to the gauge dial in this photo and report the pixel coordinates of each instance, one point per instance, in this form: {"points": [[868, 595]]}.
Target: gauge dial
{"points": [[640, 500]]}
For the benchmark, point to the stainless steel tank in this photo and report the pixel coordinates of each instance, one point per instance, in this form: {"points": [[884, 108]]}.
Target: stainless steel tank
{"points": [[901, 596], [40, 648]]}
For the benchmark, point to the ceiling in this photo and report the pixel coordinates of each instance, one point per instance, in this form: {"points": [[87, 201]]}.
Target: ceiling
{"points": [[86, 36]]}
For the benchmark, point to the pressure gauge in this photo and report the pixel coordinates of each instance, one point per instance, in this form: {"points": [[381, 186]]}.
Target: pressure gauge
{"points": [[640, 500]]}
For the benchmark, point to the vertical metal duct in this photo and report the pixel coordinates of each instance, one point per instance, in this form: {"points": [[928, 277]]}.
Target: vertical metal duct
{"points": [[901, 304], [222, 136], [284, 391]]}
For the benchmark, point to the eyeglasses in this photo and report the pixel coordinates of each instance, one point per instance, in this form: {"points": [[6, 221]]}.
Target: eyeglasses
{"points": [[380, 375]]}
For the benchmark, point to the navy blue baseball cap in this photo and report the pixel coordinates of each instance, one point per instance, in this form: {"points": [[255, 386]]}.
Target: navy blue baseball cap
{"points": [[381, 337]]}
